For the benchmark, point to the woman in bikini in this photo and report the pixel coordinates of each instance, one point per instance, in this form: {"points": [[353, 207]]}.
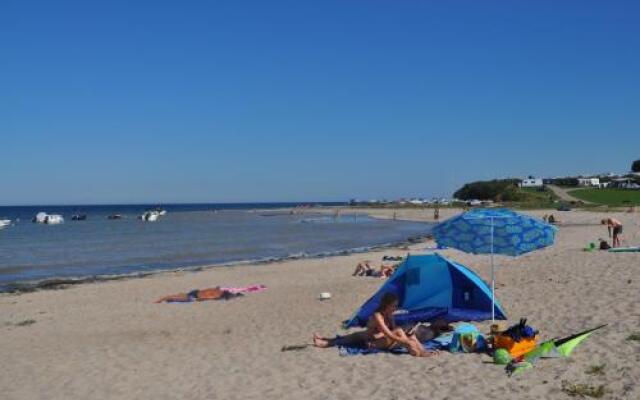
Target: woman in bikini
{"points": [[381, 332]]}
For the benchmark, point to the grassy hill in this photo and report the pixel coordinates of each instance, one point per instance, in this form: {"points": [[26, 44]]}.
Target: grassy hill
{"points": [[610, 197], [535, 198]]}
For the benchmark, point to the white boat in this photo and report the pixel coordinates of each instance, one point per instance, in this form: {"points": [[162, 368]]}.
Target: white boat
{"points": [[49, 219], [150, 216], [40, 218], [4, 223], [53, 219]]}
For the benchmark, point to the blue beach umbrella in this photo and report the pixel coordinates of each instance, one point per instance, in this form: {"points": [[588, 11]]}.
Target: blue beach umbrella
{"points": [[494, 231]]}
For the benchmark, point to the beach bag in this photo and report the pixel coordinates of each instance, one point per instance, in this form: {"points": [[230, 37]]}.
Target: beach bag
{"points": [[467, 339], [519, 339], [604, 245]]}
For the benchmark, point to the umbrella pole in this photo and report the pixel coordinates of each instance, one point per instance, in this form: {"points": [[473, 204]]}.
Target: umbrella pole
{"points": [[493, 281]]}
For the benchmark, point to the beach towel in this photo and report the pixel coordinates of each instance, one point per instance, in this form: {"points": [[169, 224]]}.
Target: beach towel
{"points": [[624, 250], [356, 351], [246, 289]]}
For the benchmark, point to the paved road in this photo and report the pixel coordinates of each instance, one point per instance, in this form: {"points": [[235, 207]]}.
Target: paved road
{"points": [[563, 194]]}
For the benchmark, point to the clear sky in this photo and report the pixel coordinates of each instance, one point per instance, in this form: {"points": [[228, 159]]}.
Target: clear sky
{"points": [[204, 101]]}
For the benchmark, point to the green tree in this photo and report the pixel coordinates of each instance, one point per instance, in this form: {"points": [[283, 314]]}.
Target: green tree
{"points": [[635, 166], [499, 189]]}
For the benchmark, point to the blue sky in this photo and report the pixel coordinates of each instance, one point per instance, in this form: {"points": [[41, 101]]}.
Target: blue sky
{"points": [[104, 102]]}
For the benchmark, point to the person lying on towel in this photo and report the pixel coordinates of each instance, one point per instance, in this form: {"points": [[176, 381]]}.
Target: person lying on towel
{"points": [[365, 269], [381, 333], [215, 293]]}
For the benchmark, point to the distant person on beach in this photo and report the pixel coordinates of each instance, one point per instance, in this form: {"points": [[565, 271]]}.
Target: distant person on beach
{"points": [[198, 295], [551, 219], [387, 270], [436, 213], [615, 229], [381, 333], [365, 269]]}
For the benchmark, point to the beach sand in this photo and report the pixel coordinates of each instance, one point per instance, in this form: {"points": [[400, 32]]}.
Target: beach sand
{"points": [[109, 341]]}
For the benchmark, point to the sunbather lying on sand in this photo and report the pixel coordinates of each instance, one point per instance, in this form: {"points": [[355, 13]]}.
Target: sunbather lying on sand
{"points": [[363, 268], [366, 269], [387, 270], [199, 295], [381, 333]]}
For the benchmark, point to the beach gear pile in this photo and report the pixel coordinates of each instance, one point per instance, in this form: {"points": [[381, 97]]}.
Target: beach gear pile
{"points": [[517, 340], [517, 347], [606, 246]]}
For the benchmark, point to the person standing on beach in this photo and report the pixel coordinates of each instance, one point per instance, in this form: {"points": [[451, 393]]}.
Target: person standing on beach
{"points": [[615, 229]]}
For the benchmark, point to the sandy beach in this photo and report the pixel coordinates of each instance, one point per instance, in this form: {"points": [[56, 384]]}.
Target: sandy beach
{"points": [[110, 341]]}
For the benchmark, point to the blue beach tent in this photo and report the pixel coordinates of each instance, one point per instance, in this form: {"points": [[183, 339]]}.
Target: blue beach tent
{"points": [[431, 286]]}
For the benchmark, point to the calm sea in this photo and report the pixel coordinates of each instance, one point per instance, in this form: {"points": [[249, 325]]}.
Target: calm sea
{"points": [[187, 236]]}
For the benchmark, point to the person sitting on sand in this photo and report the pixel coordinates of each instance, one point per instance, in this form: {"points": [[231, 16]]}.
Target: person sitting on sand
{"points": [[199, 295], [381, 333], [615, 228]]}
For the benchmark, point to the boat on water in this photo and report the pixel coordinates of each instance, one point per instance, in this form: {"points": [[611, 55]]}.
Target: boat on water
{"points": [[150, 216], [53, 219], [4, 223], [79, 217], [115, 216], [49, 219]]}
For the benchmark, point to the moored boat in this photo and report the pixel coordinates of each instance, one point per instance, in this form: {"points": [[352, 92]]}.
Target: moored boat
{"points": [[150, 216], [49, 219]]}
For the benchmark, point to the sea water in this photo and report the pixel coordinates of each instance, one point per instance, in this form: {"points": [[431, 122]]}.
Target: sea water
{"points": [[187, 236]]}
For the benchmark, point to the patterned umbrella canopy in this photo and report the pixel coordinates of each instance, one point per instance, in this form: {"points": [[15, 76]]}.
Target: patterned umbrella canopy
{"points": [[494, 231], [513, 233]]}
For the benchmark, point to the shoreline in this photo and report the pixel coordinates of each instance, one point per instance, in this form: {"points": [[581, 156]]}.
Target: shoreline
{"points": [[59, 283]]}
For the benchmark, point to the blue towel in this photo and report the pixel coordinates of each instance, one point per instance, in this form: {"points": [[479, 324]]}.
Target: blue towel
{"points": [[354, 351]]}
